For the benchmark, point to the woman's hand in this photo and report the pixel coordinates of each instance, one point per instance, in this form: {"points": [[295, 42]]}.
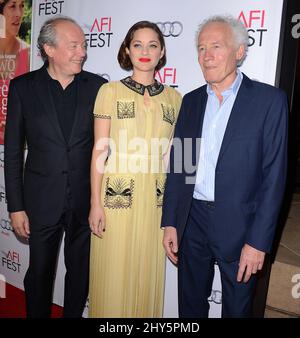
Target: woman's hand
{"points": [[97, 220]]}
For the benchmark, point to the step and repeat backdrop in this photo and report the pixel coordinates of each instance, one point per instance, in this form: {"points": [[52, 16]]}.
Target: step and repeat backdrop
{"points": [[105, 24]]}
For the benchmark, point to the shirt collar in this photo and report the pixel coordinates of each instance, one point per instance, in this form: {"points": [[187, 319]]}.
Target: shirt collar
{"points": [[153, 89], [232, 89], [49, 78]]}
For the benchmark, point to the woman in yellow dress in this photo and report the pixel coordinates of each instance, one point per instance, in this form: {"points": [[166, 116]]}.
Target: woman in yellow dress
{"points": [[134, 124]]}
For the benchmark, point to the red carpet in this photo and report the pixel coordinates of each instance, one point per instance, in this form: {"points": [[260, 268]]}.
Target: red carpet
{"points": [[13, 306]]}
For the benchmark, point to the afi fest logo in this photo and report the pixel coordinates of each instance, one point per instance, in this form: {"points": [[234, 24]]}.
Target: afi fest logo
{"points": [[11, 260], [296, 27], [254, 21], [100, 33], [168, 76], [50, 7], [168, 28]]}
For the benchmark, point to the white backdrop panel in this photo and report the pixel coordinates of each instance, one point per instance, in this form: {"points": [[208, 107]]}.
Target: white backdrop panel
{"points": [[105, 24]]}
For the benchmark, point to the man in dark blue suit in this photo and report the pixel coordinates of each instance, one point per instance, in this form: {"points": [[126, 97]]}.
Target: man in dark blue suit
{"points": [[226, 209]]}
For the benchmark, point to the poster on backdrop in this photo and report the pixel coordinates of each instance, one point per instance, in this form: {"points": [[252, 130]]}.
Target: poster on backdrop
{"points": [[15, 36], [105, 24], [14, 253], [15, 40]]}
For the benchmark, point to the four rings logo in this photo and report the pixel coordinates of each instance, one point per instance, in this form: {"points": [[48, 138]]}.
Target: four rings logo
{"points": [[5, 225], [216, 297], [169, 28], [105, 76]]}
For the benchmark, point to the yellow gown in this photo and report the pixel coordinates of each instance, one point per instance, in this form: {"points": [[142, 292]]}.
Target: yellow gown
{"points": [[127, 266]]}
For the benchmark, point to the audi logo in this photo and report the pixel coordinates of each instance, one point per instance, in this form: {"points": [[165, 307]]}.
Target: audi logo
{"points": [[169, 28], [105, 76], [216, 297], [5, 225]]}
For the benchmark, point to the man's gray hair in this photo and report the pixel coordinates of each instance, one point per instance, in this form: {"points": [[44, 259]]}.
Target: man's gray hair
{"points": [[240, 33], [48, 33]]}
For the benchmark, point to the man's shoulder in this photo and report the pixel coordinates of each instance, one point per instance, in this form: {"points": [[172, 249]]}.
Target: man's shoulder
{"points": [[97, 79], [194, 94], [24, 78], [262, 88]]}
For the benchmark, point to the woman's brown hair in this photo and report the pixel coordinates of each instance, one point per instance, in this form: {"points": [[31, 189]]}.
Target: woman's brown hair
{"points": [[2, 5], [123, 57]]}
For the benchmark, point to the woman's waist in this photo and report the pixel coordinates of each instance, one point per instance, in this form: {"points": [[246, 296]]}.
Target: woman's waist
{"points": [[135, 164]]}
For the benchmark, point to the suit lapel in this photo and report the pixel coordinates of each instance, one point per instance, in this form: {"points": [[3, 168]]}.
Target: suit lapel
{"points": [[197, 114], [44, 96], [196, 120], [240, 105]]}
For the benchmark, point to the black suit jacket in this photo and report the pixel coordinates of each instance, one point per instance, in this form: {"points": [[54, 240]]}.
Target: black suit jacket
{"points": [[39, 188]]}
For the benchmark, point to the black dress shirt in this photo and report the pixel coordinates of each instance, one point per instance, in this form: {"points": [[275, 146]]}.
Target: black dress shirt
{"points": [[65, 103]]}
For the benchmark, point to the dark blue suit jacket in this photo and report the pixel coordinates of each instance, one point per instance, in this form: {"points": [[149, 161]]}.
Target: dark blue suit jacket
{"points": [[250, 172]]}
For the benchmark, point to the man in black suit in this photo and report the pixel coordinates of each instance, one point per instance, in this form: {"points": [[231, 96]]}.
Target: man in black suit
{"points": [[52, 110]]}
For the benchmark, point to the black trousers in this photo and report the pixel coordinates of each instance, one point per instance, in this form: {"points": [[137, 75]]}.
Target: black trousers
{"points": [[44, 244], [197, 256]]}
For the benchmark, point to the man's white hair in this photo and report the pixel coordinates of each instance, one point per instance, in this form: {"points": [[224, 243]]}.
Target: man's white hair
{"points": [[240, 33]]}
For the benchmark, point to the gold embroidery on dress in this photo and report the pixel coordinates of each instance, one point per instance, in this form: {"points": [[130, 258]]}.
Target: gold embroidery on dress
{"points": [[118, 193], [160, 189], [153, 89], [101, 116], [125, 109], [168, 114]]}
